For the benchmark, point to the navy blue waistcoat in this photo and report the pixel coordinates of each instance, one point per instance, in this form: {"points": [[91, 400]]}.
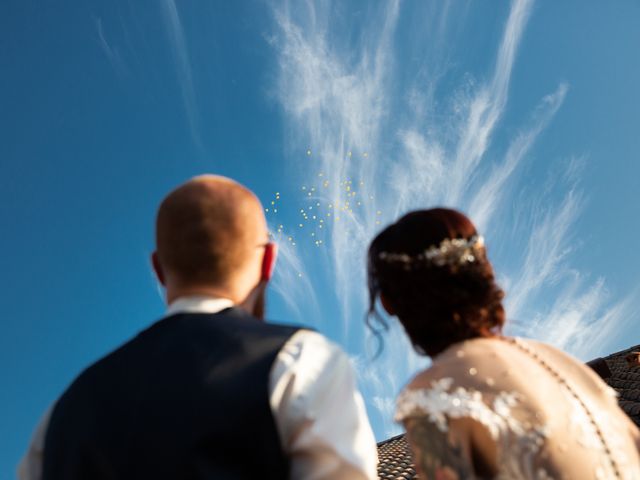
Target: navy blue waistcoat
{"points": [[188, 398]]}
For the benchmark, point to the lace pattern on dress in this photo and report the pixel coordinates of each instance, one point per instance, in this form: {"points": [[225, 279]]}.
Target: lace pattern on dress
{"points": [[519, 443]]}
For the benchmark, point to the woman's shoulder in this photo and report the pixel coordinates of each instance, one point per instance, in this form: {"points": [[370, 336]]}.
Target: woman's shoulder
{"points": [[472, 374], [482, 363], [552, 353], [459, 383], [427, 377], [465, 362], [569, 367]]}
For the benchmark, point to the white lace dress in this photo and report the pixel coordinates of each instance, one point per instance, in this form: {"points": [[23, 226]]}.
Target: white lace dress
{"points": [[516, 409]]}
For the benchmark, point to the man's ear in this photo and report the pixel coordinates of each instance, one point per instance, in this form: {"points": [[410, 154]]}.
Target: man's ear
{"points": [[269, 261], [386, 304], [157, 268]]}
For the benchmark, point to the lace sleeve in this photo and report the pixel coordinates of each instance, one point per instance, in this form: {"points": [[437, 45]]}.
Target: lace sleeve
{"points": [[436, 455], [440, 402], [427, 414]]}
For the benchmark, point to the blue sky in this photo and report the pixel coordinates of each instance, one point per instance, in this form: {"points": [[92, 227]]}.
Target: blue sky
{"points": [[523, 114]]}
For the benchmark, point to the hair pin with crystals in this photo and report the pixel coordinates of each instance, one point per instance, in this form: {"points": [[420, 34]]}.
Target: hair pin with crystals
{"points": [[451, 251]]}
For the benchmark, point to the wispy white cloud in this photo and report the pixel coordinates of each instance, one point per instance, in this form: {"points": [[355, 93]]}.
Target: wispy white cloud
{"points": [[553, 301], [346, 98], [383, 376], [111, 52], [291, 281], [550, 243], [583, 320], [488, 105], [337, 104], [183, 65], [489, 195]]}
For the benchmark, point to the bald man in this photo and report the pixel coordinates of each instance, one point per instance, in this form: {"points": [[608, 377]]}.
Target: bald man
{"points": [[210, 391]]}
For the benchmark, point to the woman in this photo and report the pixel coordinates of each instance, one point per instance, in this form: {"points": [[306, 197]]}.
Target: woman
{"points": [[490, 406]]}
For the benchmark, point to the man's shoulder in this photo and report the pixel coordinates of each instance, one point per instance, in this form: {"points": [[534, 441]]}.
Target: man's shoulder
{"points": [[236, 318], [182, 331], [230, 326], [230, 320], [313, 349], [186, 328]]}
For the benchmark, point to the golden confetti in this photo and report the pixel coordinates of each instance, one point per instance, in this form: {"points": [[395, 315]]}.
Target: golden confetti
{"points": [[349, 198]]}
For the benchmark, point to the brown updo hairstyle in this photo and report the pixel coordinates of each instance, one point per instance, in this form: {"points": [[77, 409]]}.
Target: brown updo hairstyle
{"points": [[437, 305]]}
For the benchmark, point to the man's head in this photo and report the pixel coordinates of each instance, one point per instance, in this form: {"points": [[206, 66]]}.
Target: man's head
{"points": [[212, 239]]}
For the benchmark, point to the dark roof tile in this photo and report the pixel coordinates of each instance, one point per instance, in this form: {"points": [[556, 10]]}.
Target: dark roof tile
{"points": [[625, 379], [395, 459]]}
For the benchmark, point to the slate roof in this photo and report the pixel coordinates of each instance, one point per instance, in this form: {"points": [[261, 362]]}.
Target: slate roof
{"points": [[621, 371], [394, 459], [624, 378]]}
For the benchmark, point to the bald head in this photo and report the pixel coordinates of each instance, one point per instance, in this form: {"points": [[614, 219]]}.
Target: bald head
{"points": [[208, 231]]}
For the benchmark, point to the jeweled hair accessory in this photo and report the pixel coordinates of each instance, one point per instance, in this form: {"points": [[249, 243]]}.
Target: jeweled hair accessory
{"points": [[451, 251]]}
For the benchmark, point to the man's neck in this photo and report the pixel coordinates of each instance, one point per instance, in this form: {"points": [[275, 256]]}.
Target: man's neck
{"points": [[174, 293], [198, 304]]}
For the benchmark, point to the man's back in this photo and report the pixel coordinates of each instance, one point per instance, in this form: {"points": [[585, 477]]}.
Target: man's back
{"points": [[187, 398]]}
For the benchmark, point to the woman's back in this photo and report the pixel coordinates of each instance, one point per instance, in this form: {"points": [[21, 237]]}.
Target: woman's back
{"points": [[516, 409]]}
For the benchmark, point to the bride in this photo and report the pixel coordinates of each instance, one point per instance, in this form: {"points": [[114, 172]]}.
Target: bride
{"points": [[490, 406]]}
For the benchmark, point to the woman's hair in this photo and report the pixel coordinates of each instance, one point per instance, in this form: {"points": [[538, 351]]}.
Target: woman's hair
{"points": [[433, 272]]}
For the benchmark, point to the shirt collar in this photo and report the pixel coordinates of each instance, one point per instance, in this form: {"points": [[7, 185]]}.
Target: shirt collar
{"points": [[198, 304]]}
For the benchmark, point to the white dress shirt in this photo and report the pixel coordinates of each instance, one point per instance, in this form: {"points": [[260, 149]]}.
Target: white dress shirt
{"points": [[319, 413]]}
